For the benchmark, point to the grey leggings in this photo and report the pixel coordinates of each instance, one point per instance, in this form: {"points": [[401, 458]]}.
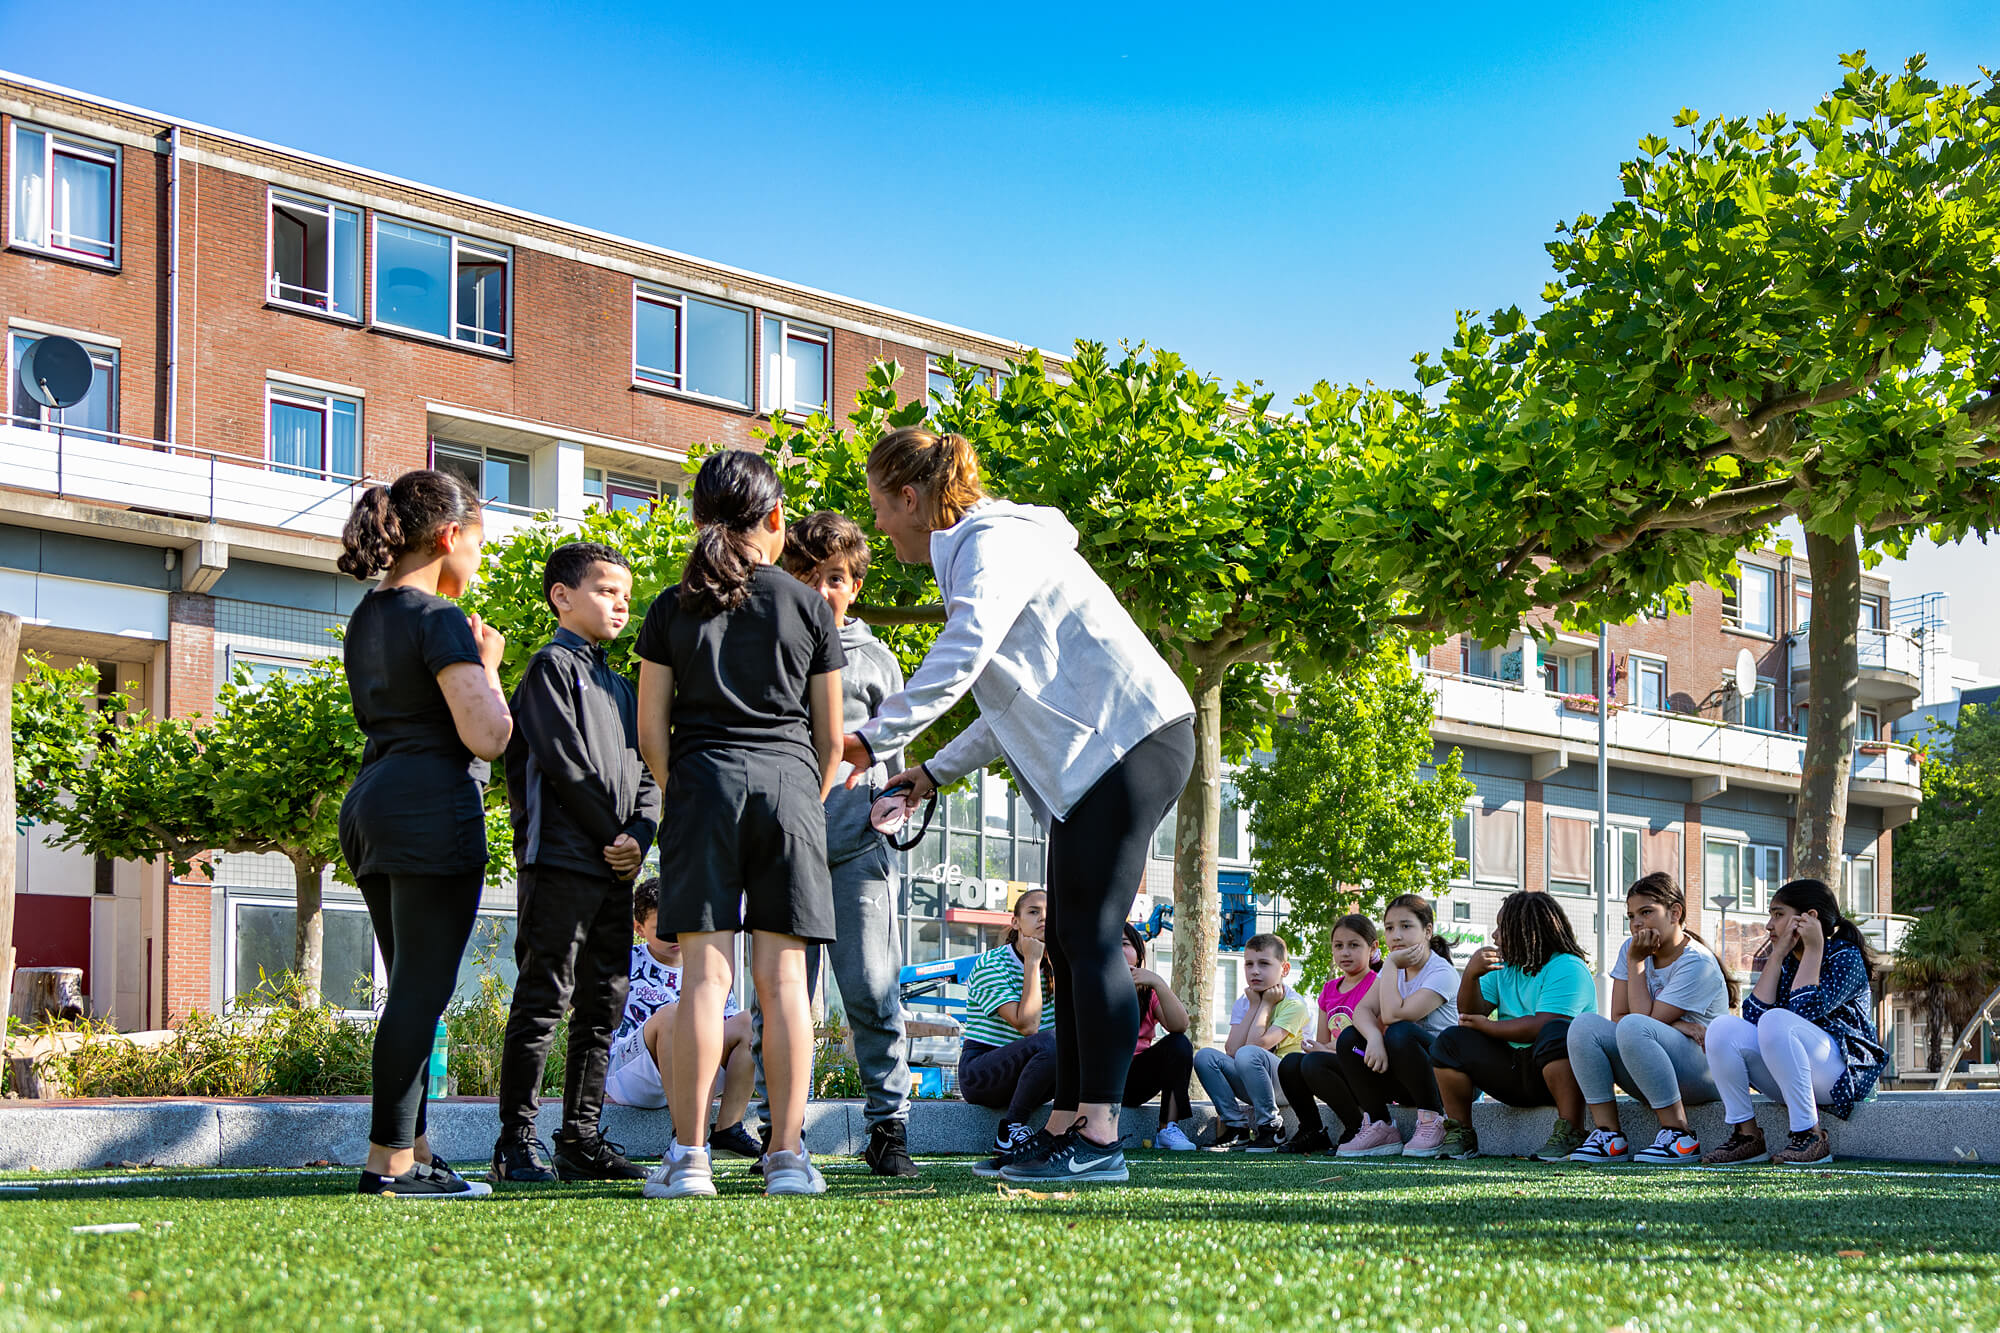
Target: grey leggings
{"points": [[1644, 1055]]}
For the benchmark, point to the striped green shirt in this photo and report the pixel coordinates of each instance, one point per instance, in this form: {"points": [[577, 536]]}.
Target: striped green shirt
{"points": [[997, 979]]}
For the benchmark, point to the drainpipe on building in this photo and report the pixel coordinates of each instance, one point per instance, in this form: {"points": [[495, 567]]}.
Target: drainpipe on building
{"points": [[173, 281], [1603, 814]]}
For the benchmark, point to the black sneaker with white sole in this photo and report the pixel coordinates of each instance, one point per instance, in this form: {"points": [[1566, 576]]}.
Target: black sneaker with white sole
{"points": [[888, 1151], [1268, 1138], [734, 1140], [1074, 1159], [420, 1182], [1010, 1141], [594, 1158]]}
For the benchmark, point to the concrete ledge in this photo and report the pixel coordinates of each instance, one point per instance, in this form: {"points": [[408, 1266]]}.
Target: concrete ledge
{"points": [[1945, 1127]]}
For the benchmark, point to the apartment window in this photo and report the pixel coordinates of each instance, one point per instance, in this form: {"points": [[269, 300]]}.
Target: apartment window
{"points": [[1860, 885], [1867, 725], [693, 344], [315, 255], [1570, 856], [1461, 911], [264, 667], [65, 194], [442, 284], [1570, 673], [1163, 837], [1871, 613], [314, 434], [500, 478], [798, 366], [1722, 875], [1649, 684], [593, 488], [1478, 661], [264, 945], [95, 416], [1489, 843], [937, 383], [638, 494], [1801, 603], [1756, 706], [1764, 874], [1750, 602]]}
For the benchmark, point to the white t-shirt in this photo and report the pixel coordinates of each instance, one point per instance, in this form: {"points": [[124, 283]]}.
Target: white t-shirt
{"points": [[1437, 974], [652, 985], [1691, 983]]}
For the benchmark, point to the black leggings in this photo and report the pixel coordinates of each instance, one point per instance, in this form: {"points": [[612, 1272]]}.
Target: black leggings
{"points": [[1097, 861], [1162, 1070], [1343, 1080], [421, 925], [1018, 1076]]}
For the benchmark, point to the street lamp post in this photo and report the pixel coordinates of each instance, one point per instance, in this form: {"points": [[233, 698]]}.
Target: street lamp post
{"points": [[1722, 902]]}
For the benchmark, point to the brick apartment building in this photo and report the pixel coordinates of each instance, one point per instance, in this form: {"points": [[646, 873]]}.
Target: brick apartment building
{"points": [[272, 328]]}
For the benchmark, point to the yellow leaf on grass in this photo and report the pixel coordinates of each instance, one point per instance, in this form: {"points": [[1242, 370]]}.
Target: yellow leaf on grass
{"points": [[1009, 1192]]}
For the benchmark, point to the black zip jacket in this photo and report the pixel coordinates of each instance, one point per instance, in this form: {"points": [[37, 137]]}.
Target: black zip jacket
{"points": [[574, 777]]}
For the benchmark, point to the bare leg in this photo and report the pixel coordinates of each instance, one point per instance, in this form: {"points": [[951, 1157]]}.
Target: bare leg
{"points": [[1099, 1121], [659, 1038], [705, 977], [738, 1073], [1604, 1115], [1062, 1122], [389, 1161], [1563, 1086], [1455, 1090], [779, 964], [1673, 1117]]}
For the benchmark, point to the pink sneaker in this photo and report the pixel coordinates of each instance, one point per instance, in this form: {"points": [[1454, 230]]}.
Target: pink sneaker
{"points": [[1376, 1138], [1428, 1140]]}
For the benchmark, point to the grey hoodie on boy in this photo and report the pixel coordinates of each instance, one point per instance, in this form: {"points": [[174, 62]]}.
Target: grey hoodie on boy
{"points": [[871, 675]]}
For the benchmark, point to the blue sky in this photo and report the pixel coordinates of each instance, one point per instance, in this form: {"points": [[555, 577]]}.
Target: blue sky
{"points": [[1278, 193]]}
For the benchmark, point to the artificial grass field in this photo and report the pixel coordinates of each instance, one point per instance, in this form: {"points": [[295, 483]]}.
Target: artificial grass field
{"points": [[1200, 1240]]}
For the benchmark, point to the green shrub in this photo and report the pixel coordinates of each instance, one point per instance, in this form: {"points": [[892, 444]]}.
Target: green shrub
{"points": [[477, 1026], [835, 1073]]}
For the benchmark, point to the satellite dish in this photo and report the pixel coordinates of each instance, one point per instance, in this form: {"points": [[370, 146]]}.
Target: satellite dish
{"points": [[56, 371], [1746, 671]]}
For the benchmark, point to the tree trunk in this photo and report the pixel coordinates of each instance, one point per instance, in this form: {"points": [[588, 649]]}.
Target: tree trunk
{"points": [[1934, 1038], [1817, 845], [10, 647], [1197, 822], [308, 874]]}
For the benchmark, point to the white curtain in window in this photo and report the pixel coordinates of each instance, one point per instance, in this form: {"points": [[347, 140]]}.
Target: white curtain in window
{"points": [[295, 439], [1496, 845], [83, 204], [31, 203]]}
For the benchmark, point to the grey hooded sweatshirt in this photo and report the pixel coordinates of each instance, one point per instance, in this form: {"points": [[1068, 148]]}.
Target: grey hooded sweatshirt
{"points": [[871, 675]]}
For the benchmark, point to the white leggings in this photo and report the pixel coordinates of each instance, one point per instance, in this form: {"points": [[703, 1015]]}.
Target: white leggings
{"points": [[1785, 1056]]}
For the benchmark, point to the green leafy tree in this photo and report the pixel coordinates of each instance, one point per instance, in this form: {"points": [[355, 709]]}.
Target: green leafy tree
{"points": [[1947, 962], [1216, 522], [266, 774], [1781, 318], [1343, 816], [54, 724]]}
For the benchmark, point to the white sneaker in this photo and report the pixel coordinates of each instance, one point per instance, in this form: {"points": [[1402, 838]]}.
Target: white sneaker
{"points": [[690, 1178], [1670, 1147], [1601, 1147], [1173, 1138], [792, 1173]]}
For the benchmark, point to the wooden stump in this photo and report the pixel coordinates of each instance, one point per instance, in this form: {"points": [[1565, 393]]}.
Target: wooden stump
{"points": [[44, 993]]}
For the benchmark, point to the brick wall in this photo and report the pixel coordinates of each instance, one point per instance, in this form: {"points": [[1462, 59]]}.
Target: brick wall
{"points": [[190, 689]]}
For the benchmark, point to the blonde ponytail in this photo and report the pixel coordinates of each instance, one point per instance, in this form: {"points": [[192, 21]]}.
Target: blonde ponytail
{"points": [[942, 469]]}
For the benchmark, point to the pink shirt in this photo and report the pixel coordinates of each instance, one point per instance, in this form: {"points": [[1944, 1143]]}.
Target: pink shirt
{"points": [[1338, 1005], [1148, 1021]]}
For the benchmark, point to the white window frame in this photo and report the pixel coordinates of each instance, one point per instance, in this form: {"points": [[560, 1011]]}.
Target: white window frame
{"points": [[675, 381], [73, 145], [321, 401], [232, 657], [1765, 871], [1802, 592], [274, 290], [1762, 686], [934, 365], [486, 452], [1735, 619], [103, 361], [234, 900], [783, 398], [1476, 806], [454, 318], [1639, 664], [1847, 903]]}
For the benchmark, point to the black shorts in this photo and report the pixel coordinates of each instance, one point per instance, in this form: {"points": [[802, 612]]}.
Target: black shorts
{"points": [[743, 847], [1500, 1069]]}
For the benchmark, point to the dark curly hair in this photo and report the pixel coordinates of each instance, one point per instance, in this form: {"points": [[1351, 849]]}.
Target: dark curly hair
{"points": [[1531, 930], [391, 521]]}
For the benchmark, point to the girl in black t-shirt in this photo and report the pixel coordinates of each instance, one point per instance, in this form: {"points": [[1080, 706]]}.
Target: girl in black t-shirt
{"points": [[424, 680], [739, 719]]}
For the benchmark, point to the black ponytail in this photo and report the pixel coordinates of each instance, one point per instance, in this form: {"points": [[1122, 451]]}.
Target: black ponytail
{"points": [[391, 521], [1420, 908], [733, 493], [1812, 895]]}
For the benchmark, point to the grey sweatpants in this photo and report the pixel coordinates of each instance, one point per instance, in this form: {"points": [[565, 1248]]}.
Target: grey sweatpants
{"points": [[867, 961], [1660, 1063], [1243, 1086]]}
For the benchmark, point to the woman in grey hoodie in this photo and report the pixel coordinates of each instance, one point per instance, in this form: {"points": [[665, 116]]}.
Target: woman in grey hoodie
{"points": [[1096, 727]]}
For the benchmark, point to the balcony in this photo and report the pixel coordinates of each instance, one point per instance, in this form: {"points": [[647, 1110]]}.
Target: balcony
{"points": [[182, 481], [1891, 665], [1557, 731]]}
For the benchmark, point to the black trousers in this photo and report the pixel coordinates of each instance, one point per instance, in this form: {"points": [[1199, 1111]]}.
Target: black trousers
{"points": [[1500, 1069], [1097, 861], [1019, 1076], [421, 925], [1162, 1070], [573, 948], [1343, 1080]]}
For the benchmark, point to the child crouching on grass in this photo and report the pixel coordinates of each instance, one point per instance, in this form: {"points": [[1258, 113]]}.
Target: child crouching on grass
{"points": [[1515, 1002], [642, 1050]]}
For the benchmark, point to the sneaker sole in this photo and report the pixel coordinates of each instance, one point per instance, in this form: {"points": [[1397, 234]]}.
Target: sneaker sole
{"points": [[1261, 1151], [1666, 1161], [1595, 1160], [776, 1189], [1116, 1175], [473, 1190], [704, 1190], [1741, 1161], [1386, 1150], [1424, 1154], [1817, 1161]]}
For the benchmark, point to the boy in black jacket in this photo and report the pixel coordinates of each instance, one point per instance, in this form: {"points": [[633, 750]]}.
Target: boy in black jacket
{"points": [[584, 811]]}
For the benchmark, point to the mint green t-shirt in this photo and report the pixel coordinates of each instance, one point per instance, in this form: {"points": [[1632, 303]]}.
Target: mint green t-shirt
{"points": [[1563, 986]]}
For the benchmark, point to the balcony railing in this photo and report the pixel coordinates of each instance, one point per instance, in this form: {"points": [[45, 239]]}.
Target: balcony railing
{"points": [[1890, 651], [189, 482], [1554, 720]]}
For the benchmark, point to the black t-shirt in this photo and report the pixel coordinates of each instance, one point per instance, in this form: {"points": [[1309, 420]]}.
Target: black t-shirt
{"points": [[740, 677], [415, 805]]}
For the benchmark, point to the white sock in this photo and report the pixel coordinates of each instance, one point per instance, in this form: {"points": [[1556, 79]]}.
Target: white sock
{"points": [[1426, 1117], [675, 1151]]}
